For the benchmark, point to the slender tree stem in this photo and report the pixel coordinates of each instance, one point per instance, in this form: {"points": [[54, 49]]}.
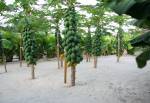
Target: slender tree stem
{"points": [[5, 63], [95, 61], [86, 57], [33, 71], [61, 64], [73, 73], [65, 72], [21, 51], [58, 55], [118, 46], [20, 56], [89, 57], [58, 45], [4, 60]]}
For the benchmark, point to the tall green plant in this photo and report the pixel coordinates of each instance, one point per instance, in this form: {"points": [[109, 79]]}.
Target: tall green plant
{"points": [[29, 46], [2, 52], [88, 45], [59, 39], [120, 46], [96, 49], [73, 54], [119, 43], [1, 48], [58, 43]]}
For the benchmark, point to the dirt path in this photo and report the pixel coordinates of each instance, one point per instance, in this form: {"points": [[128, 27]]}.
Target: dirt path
{"points": [[111, 82]]}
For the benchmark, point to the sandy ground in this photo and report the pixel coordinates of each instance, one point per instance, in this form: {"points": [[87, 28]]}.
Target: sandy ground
{"points": [[111, 82]]}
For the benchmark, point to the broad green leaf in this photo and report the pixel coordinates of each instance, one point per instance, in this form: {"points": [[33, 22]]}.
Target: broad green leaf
{"points": [[143, 58]]}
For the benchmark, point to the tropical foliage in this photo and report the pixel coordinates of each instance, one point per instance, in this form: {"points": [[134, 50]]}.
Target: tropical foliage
{"points": [[68, 30], [140, 10]]}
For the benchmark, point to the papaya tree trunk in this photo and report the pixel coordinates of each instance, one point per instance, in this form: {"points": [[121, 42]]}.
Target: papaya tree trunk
{"points": [[86, 57], [28, 65], [89, 57], [4, 61], [65, 72], [95, 61], [5, 66], [118, 48], [21, 51], [61, 62], [32, 72], [58, 55], [20, 57], [73, 73]]}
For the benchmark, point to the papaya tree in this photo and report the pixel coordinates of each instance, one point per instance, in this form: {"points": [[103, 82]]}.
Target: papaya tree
{"points": [[2, 52], [96, 49], [139, 10], [73, 53], [120, 19], [88, 44], [1, 48], [99, 21], [3, 7], [58, 44], [29, 47], [119, 38], [86, 41], [29, 43], [58, 15], [58, 38]]}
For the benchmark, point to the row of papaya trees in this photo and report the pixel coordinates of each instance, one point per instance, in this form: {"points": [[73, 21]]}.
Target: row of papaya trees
{"points": [[29, 38], [11, 45], [46, 46]]}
